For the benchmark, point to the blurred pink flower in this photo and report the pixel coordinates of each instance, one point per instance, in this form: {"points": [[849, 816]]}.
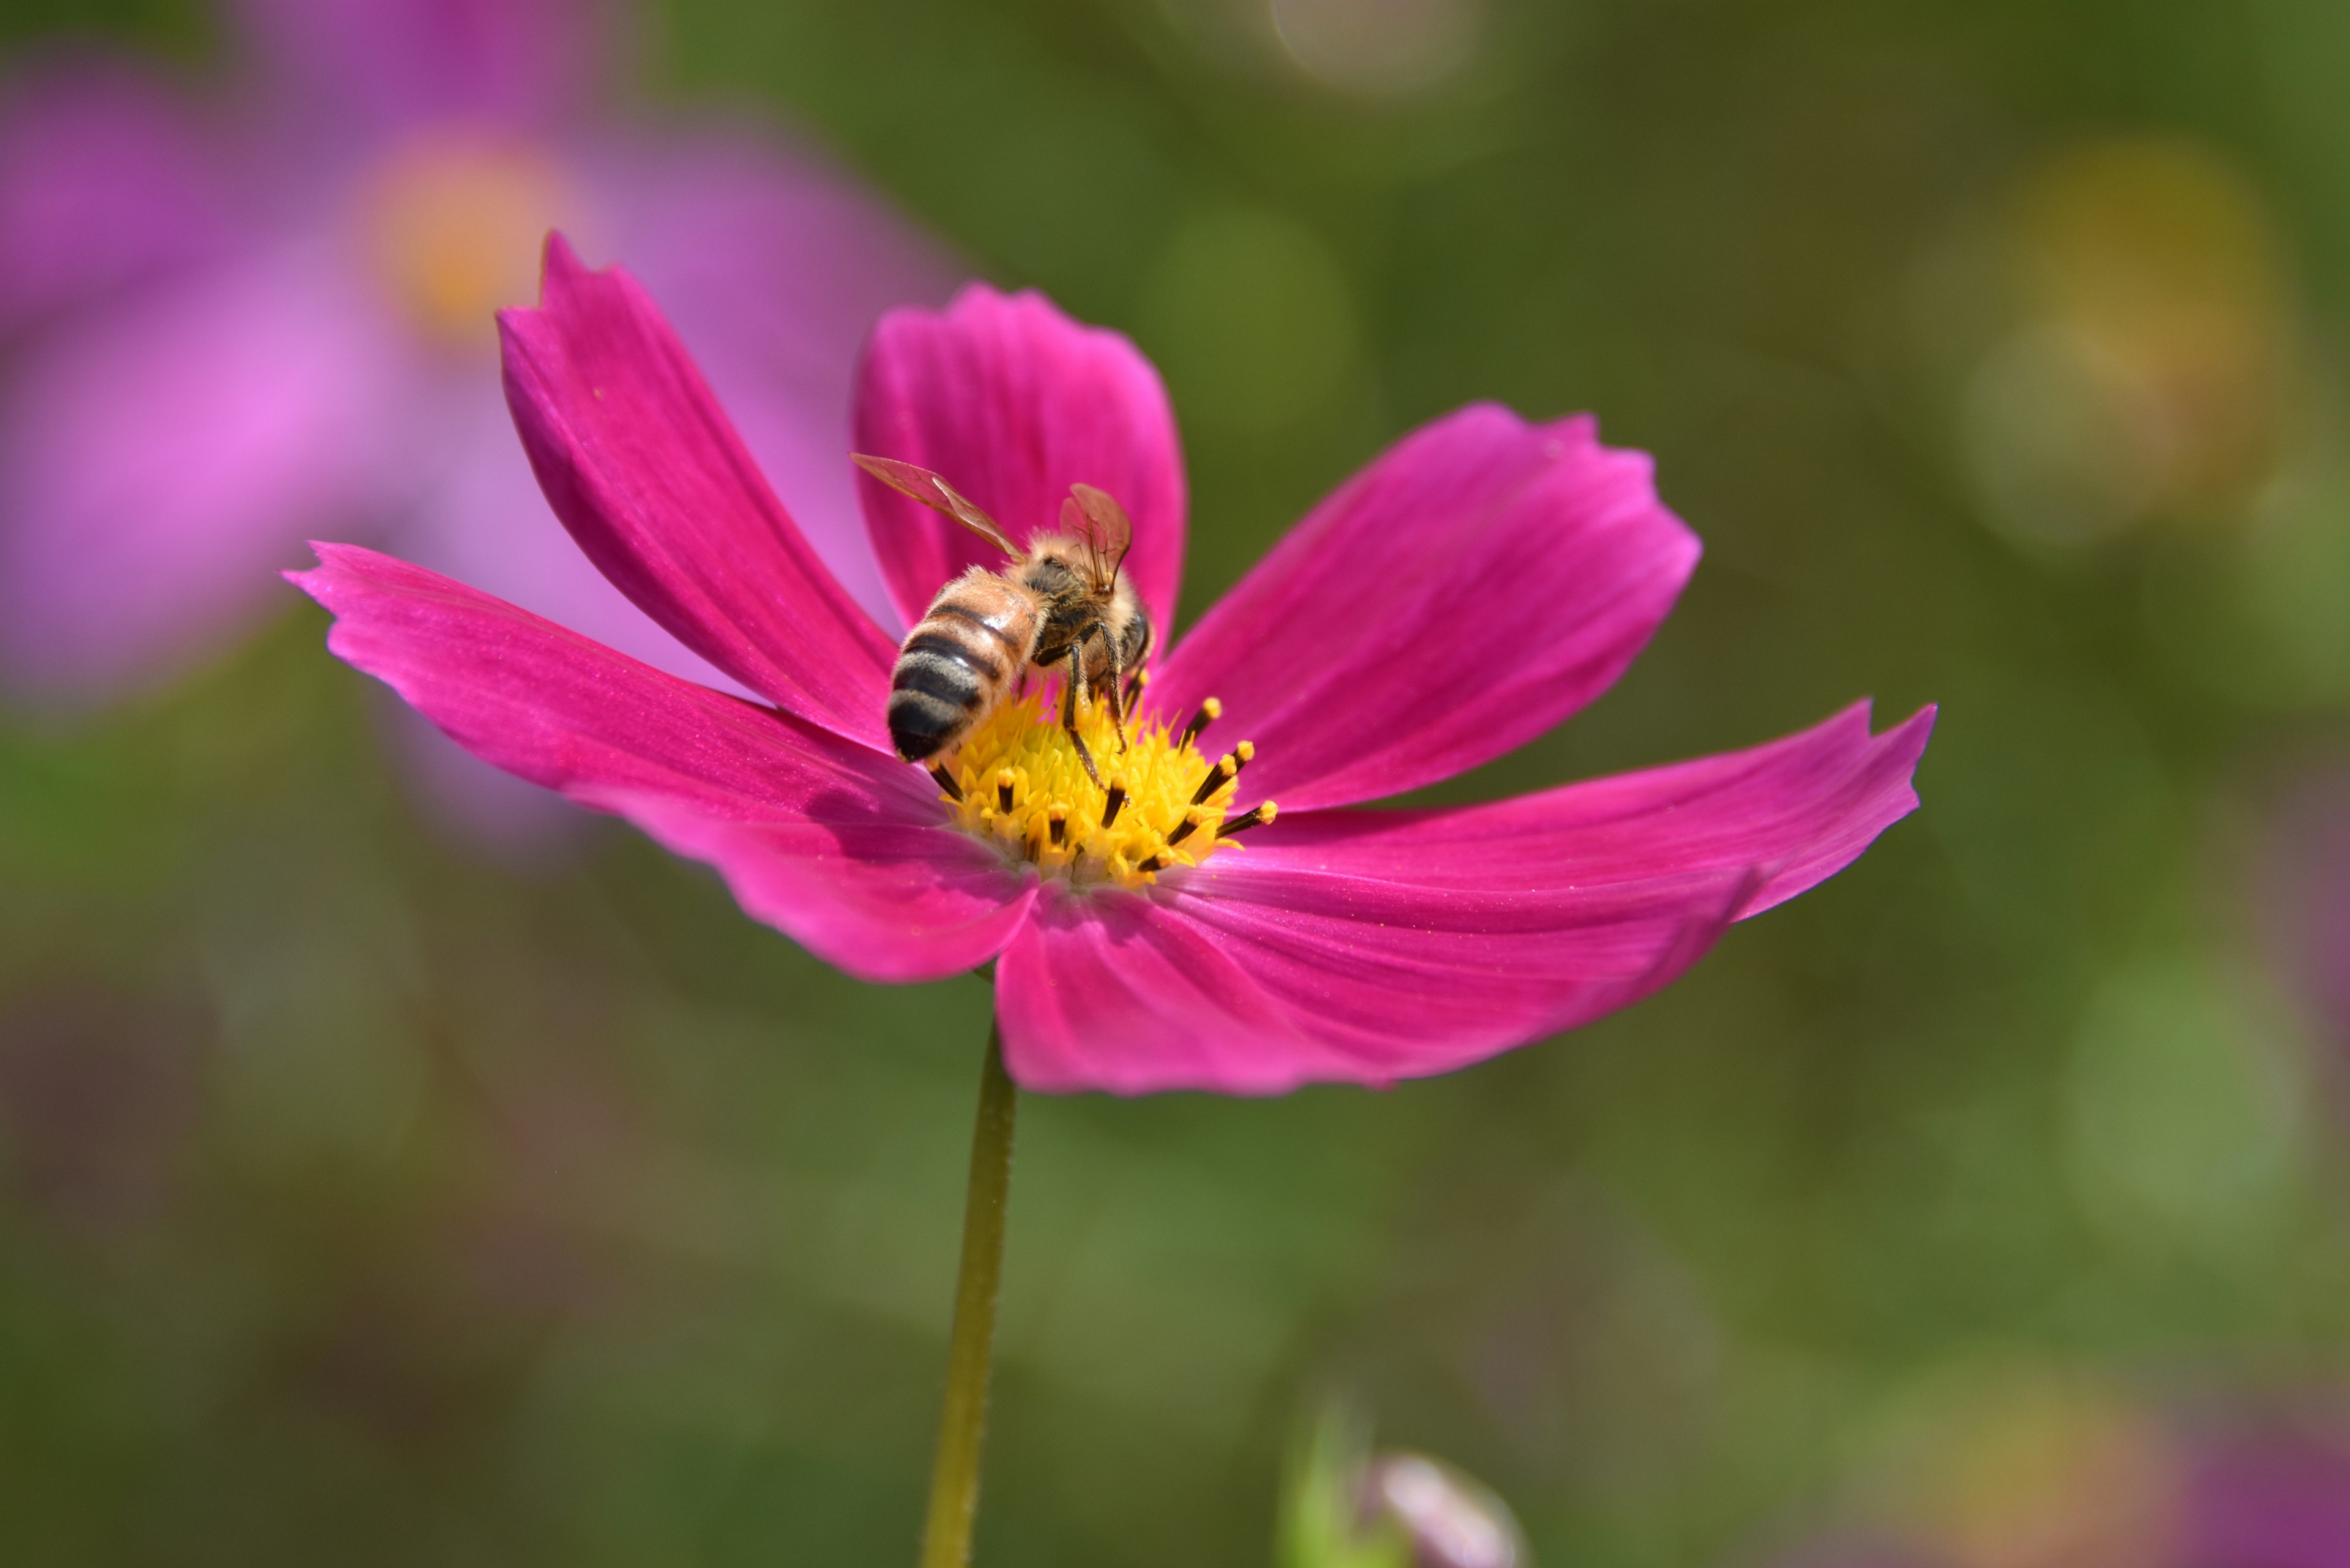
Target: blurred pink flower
{"points": [[2271, 1496], [237, 319], [1476, 585], [2304, 903], [2262, 1489], [1449, 1519]]}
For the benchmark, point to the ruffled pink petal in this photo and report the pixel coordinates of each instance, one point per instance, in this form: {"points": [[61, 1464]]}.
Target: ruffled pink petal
{"points": [[1368, 945], [159, 461], [884, 902], [1013, 402], [105, 177], [1252, 980], [773, 270], [843, 849], [381, 64], [1481, 581], [1797, 810], [641, 464], [485, 524]]}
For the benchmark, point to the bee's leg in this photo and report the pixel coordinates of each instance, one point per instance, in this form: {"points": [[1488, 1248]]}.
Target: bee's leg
{"points": [[1114, 683], [1085, 755], [1069, 717], [1117, 690]]}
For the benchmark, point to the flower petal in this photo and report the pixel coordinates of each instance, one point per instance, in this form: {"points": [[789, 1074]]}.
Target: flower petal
{"points": [[1251, 980], [1798, 809], [1479, 583], [1368, 945], [882, 901], [1013, 402], [159, 460], [105, 177], [640, 464], [484, 524], [843, 849], [774, 269]]}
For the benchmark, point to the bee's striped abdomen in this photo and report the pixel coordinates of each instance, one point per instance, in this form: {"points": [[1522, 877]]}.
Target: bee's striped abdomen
{"points": [[957, 662]]}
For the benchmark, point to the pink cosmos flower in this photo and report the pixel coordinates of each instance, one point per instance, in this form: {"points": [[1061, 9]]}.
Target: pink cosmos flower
{"points": [[1449, 1519], [2269, 1497], [236, 320], [1480, 582], [2303, 894], [2270, 1493]]}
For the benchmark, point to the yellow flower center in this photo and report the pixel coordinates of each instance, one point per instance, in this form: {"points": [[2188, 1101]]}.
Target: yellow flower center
{"points": [[1018, 782], [454, 225]]}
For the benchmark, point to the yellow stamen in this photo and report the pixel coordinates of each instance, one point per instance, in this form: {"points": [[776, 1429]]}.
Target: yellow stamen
{"points": [[1256, 815], [1017, 781], [1210, 711]]}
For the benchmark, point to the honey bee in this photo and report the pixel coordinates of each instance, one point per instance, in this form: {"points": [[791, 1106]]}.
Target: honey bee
{"points": [[1062, 604]]}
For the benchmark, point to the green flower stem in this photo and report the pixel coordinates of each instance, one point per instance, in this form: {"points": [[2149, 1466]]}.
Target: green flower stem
{"points": [[962, 1422]]}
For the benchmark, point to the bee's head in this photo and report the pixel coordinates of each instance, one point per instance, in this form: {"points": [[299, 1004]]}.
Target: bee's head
{"points": [[1135, 642]]}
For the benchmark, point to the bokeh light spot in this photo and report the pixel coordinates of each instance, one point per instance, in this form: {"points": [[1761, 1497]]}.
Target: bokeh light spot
{"points": [[2155, 370], [1382, 47], [2184, 1110]]}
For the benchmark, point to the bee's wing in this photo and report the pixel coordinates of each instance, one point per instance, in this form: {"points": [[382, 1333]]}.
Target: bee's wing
{"points": [[921, 484], [1094, 516]]}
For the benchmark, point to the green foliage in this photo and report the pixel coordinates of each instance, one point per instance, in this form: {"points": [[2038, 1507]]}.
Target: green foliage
{"points": [[367, 1199], [1321, 1522]]}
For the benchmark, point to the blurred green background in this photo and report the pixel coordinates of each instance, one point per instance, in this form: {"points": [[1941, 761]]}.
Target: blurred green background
{"points": [[364, 1201]]}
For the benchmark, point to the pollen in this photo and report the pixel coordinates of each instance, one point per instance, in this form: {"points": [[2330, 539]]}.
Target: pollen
{"points": [[1018, 782]]}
